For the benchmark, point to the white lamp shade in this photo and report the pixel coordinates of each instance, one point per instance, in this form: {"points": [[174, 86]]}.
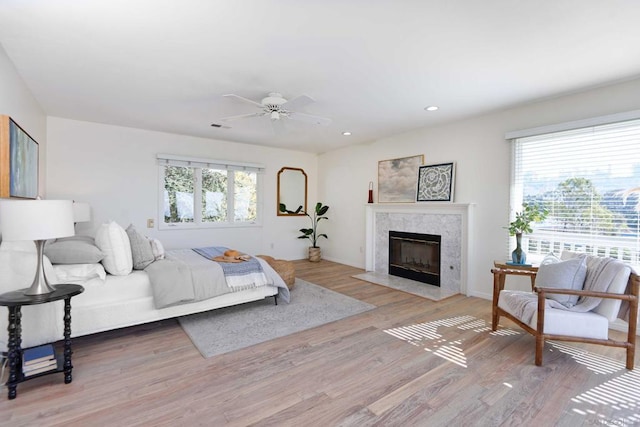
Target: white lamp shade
{"points": [[81, 212], [36, 219]]}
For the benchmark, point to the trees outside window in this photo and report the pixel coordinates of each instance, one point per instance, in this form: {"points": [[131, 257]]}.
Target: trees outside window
{"points": [[197, 196], [580, 176]]}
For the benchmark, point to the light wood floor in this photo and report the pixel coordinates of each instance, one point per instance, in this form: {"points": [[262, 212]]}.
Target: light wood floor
{"points": [[439, 366]]}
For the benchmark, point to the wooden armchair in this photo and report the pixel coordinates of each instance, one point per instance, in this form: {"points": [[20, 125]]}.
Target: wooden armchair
{"points": [[565, 325]]}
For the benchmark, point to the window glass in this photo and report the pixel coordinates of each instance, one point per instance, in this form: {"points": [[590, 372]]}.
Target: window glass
{"points": [[214, 195], [245, 196], [178, 194], [201, 194]]}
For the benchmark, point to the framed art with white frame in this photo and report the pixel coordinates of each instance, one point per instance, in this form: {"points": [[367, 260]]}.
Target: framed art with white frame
{"points": [[436, 182]]}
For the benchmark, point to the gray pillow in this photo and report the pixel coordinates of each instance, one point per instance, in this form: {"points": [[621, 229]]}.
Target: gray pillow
{"points": [[568, 274], [73, 250], [140, 249]]}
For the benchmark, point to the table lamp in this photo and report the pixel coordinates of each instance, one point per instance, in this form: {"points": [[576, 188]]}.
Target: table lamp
{"points": [[36, 220]]}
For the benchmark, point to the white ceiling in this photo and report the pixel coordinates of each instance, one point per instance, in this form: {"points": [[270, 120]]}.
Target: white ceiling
{"points": [[371, 65]]}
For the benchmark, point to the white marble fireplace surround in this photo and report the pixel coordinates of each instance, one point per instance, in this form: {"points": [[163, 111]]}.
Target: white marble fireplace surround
{"points": [[452, 221]]}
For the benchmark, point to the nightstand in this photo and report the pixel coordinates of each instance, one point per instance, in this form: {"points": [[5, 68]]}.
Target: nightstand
{"points": [[14, 301]]}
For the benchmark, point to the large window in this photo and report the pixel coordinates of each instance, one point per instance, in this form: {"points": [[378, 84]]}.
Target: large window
{"points": [[582, 176], [208, 193]]}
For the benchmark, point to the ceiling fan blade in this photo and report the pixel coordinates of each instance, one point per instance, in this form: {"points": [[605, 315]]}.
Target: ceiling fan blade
{"points": [[298, 102], [240, 98], [240, 116], [308, 118], [278, 127]]}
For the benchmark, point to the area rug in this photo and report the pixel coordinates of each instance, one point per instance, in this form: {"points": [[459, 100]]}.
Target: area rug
{"points": [[231, 328]]}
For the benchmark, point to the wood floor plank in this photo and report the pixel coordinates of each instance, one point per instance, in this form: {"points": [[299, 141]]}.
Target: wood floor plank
{"points": [[408, 362]]}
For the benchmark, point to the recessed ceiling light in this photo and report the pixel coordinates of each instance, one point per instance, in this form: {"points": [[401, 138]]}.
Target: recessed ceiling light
{"points": [[346, 133], [431, 108]]}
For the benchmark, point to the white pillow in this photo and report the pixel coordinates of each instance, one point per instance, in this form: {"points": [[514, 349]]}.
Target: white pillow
{"points": [[79, 273], [568, 274], [156, 248], [114, 243]]}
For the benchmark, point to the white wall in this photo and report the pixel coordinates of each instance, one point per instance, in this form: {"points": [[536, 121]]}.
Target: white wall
{"points": [[482, 155], [17, 101], [114, 169]]}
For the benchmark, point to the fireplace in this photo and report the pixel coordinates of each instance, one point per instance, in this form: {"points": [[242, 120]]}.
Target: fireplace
{"points": [[415, 256]]}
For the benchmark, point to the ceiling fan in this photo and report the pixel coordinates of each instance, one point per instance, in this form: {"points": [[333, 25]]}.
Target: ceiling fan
{"points": [[275, 107]]}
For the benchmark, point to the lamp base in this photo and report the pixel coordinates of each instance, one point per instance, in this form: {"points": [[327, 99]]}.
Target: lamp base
{"points": [[40, 285]]}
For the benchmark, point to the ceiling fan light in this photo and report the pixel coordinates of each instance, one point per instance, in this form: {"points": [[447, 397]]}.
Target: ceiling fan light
{"points": [[275, 115]]}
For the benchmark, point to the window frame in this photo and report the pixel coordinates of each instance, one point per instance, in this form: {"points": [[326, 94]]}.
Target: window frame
{"points": [[198, 164], [592, 243]]}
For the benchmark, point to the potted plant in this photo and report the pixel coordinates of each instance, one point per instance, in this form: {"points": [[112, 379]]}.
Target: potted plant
{"points": [[522, 224], [315, 253]]}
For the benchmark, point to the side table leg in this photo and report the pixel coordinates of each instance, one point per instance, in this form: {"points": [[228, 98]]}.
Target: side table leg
{"points": [[67, 341], [15, 340]]}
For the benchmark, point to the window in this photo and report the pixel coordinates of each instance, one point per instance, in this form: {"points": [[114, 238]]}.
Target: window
{"points": [[199, 193], [581, 176]]}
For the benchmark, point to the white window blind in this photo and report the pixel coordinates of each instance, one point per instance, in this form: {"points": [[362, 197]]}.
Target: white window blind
{"points": [[197, 162], [581, 176]]}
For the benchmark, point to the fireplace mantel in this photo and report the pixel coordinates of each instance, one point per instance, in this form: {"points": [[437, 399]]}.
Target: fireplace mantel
{"points": [[414, 217]]}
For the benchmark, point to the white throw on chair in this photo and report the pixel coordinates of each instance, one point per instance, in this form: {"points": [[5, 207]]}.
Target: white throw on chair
{"points": [[574, 299]]}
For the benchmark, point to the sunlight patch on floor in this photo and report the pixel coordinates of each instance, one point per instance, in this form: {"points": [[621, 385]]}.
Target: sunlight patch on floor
{"points": [[621, 393], [594, 362], [426, 335]]}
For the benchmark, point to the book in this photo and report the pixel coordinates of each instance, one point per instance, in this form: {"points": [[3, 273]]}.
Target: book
{"points": [[41, 370], [39, 365], [37, 354]]}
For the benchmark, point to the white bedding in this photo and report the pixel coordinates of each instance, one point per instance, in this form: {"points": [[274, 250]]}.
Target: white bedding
{"points": [[118, 302]]}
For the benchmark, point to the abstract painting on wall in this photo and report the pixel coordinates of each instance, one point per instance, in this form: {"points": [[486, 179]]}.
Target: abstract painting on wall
{"points": [[436, 183], [23, 163], [397, 179]]}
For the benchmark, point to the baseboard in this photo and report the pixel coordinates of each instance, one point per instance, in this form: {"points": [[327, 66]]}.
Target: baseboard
{"points": [[341, 261], [482, 295]]}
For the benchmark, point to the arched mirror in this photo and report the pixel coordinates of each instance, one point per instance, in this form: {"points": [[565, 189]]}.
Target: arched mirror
{"points": [[292, 190]]}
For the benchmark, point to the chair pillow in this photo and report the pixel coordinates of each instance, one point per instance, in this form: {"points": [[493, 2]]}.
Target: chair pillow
{"points": [[568, 274], [140, 249], [114, 243], [76, 250]]}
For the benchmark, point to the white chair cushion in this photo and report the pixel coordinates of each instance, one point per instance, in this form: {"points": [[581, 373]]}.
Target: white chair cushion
{"points": [[573, 324], [558, 321]]}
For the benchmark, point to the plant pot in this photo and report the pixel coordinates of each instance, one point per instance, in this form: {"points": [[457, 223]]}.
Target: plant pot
{"points": [[315, 254]]}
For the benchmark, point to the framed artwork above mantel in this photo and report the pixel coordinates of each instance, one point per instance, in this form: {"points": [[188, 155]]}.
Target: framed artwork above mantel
{"points": [[19, 155], [398, 178]]}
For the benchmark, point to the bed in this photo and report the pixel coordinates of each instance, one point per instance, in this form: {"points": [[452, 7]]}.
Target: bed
{"points": [[110, 301]]}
